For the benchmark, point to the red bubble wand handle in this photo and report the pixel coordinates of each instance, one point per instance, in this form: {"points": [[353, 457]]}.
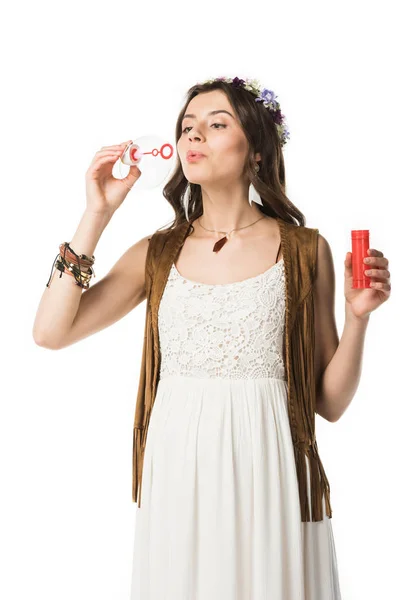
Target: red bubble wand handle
{"points": [[132, 154]]}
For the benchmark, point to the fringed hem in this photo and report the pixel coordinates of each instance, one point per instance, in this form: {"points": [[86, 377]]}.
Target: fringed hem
{"points": [[319, 485], [139, 443], [137, 464]]}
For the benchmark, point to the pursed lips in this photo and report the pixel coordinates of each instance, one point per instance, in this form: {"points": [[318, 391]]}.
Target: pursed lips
{"points": [[194, 155]]}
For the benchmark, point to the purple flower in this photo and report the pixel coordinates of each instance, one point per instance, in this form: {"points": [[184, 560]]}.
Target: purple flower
{"points": [[278, 116], [237, 83], [267, 97]]}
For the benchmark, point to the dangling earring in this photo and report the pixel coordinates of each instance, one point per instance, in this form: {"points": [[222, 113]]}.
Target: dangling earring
{"points": [[254, 196], [186, 199]]}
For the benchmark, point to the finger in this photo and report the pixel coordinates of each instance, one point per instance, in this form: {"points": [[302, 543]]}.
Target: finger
{"points": [[116, 146], [133, 175], [109, 151], [348, 260], [106, 153], [381, 274], [377, 261], [101, 161], [381, 286], [374, 252]]}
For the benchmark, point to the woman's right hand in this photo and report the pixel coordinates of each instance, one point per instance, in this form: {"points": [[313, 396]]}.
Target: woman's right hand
{"points": [[105, 193]]}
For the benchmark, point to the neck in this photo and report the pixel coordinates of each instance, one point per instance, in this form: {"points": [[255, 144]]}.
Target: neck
{"points": [[227, 208]]}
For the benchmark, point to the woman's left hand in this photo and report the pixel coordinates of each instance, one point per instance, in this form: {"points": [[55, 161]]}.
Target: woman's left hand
{"points": [[361, 302]]}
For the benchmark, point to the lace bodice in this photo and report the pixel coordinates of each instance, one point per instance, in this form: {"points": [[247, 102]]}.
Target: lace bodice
{"points": [[229, 330]]}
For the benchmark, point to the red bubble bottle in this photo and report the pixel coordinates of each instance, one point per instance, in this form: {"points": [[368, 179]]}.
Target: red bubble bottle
{"points": [[359, 249]]}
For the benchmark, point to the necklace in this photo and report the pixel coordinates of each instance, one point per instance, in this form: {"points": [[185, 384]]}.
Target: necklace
{"points": [[220, 243]]}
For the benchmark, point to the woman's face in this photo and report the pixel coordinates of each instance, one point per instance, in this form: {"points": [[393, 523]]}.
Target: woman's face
{"points": [[218, 136]]}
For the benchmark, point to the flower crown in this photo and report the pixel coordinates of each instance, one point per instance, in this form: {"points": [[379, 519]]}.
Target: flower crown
{"points": [[267, 97]]}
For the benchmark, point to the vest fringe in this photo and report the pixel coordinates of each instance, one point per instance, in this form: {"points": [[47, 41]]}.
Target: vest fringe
{"points": [[315, 485], [139, 443], [137, 466], [300, 460], [326, 490], [312, 481], [312, 489]]}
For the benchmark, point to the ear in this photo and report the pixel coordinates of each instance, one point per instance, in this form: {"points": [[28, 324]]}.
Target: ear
{"points": [[258, 157]]}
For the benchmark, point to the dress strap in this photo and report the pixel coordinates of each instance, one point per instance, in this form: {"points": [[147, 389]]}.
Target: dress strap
{"points": [[279, 249]]}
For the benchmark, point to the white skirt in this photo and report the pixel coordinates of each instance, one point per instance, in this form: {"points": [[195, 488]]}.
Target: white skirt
{"points": [[220, 514]]}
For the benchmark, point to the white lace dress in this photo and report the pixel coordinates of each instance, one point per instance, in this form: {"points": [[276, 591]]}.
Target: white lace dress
{"points": [[220, 515]]}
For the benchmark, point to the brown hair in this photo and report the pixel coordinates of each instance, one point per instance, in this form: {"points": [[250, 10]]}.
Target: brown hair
{"points": [[262, 136]]}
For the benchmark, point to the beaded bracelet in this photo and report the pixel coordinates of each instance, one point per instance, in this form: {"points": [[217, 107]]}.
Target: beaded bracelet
{"points": [[67, 261]]}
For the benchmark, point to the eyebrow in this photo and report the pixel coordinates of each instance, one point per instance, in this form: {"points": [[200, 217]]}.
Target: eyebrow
{"points": [[212, 112]]}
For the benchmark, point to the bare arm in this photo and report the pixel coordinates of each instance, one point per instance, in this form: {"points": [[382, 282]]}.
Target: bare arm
{"points": [[111, 298], [67, 315], [342, 376], [338, 362], [326, 335]]}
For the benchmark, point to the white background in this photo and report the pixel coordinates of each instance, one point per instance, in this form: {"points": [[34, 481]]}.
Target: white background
{"points": [[80, 75]]}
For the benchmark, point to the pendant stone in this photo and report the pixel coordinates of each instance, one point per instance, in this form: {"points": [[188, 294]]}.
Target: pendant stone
{"points": [[218, 245]]}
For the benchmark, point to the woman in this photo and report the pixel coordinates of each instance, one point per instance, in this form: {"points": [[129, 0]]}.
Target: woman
{"points": [[221, 515]]}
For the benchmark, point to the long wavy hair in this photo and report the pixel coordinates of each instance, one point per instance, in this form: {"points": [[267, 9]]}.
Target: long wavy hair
{"points": [[262, 135]]}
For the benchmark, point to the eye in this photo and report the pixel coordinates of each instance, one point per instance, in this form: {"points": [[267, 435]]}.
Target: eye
{"points": [[218, 124]]}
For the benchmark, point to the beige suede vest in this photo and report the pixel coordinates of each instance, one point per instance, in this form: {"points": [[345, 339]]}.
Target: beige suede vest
{"points": [[299, 250]]}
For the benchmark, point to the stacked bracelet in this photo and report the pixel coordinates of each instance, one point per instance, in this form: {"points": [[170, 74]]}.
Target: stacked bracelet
{"points": [[67, 261]]}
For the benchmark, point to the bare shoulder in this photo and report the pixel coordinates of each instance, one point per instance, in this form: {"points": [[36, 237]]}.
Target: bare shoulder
{"points": [[133, 260], [324, 278], [325, 257]]}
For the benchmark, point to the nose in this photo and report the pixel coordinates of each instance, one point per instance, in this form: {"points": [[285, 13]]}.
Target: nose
{"points": [[193, 135]]}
